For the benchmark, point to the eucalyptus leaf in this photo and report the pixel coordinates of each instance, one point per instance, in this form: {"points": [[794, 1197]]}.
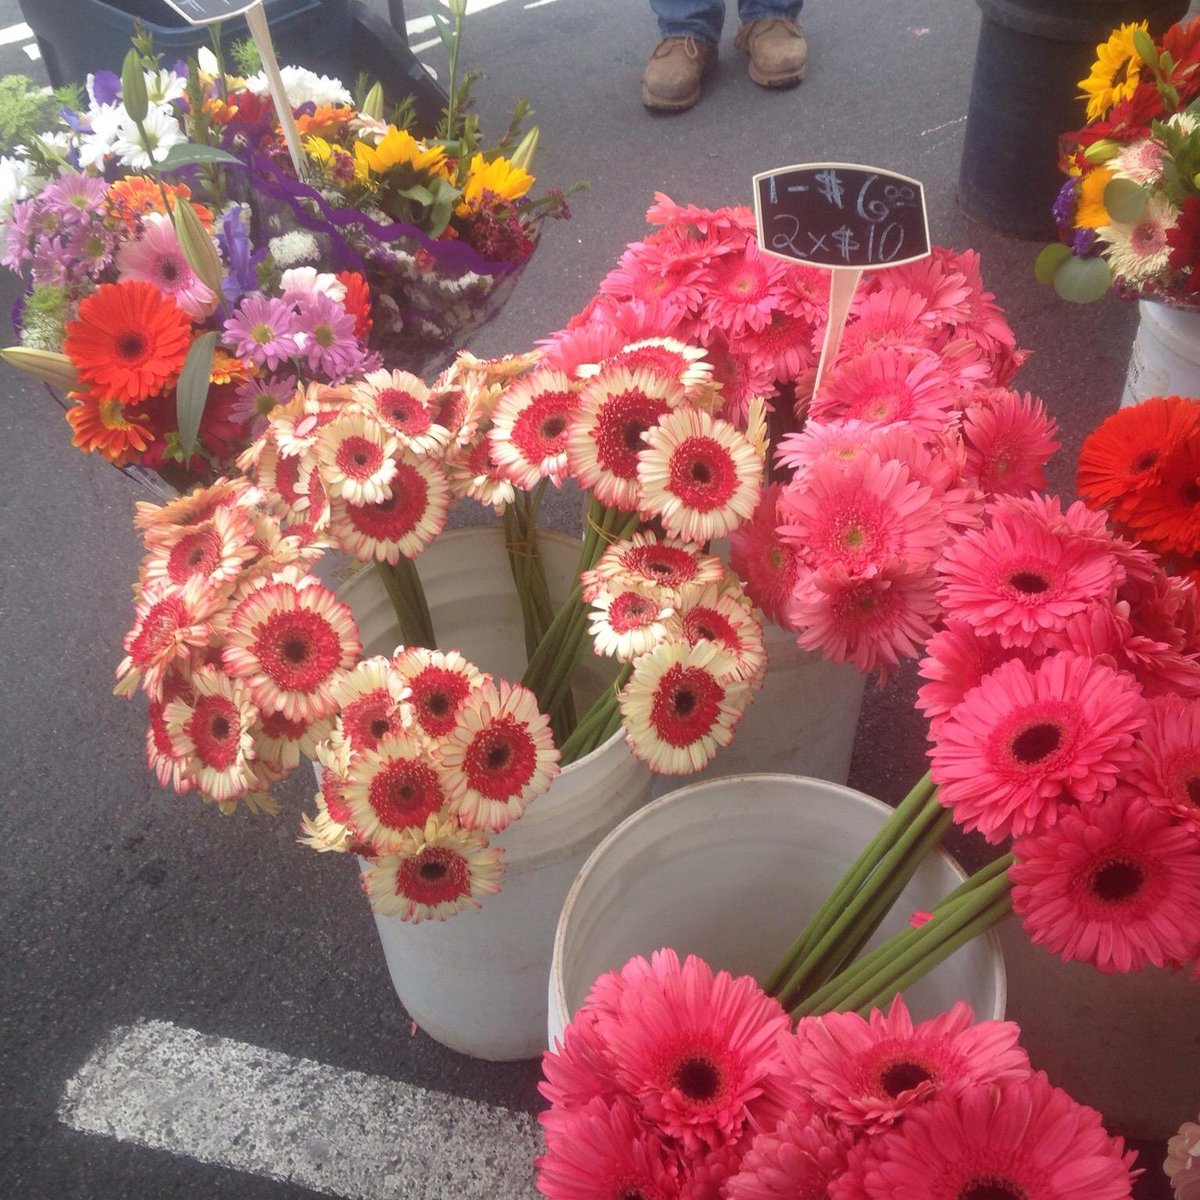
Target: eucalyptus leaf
{"points": [[1082, 280], [191, 392], [185, 154], [1046, 265], [1125, 201]]}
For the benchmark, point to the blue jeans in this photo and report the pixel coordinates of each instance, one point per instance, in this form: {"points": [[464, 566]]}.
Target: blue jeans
{"points": [[702, 19]]}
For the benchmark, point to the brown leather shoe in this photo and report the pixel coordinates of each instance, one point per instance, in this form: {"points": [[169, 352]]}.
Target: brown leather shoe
{"points": [[673, 74], [778, 51]]}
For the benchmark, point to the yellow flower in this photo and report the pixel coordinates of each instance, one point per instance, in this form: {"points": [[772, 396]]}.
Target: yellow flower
{"points": [[1116, 72], [1091, 213], [318, 149], [398, 147], [498, 176]]}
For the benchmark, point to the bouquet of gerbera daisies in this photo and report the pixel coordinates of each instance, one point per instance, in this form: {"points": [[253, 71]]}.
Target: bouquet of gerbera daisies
{"points": [[423, 754], [677, 1081], [182, 280], [1129, 214]]}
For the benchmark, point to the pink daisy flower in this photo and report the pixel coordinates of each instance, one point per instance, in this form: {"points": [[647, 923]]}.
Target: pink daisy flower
{"points": [[681, 705], [649, 564], [1026, 741], [767, 563], [404, 523], [1008, 441], [890, 317], [938, 281], [643, 274], [579, 1069], [438, 686], [694, 1048], [872, 1072], [438, 871], [1022, 582], [499, 756], [1166, 764], [780, 350], [402, 402], [1023, 1140], [615, 409], [885, 386], [530, 425], [740, 378], [393, 790], [804, 292], [862, 516], [263, 331], [212, 732], [740, 291], [356, 459], [157, 257], [839, 440], [698, 475], [326, 337], [798, 1160], [1116, 884], [603, 1152], [290, 644], [872, 622]]}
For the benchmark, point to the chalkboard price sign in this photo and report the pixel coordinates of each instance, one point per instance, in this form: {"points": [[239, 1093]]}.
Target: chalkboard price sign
{"points": [[841, 215], [205, 12]]}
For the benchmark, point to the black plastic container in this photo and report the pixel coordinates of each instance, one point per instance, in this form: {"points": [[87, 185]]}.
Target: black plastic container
{"points": [[1025, 92]]}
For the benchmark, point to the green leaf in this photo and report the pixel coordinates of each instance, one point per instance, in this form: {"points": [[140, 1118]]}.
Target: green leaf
{"points": [[187, 154], [1143, 43], [445, 30], [191, 392], [1082, 280], [1046, 264], [421, 195], [1125, 201]]}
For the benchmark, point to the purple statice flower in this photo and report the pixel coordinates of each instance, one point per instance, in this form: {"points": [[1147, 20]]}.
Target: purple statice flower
{"points": [[263, 330], [234, 240], [257, 397], [75, 197], [326, 336], [105, 87], [1065, 204], [1083, 242]]}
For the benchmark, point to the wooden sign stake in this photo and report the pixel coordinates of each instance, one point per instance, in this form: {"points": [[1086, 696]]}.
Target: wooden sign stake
{"points": [[842, 287]]}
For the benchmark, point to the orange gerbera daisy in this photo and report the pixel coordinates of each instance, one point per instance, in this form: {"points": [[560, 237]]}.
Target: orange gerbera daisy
{"points": [[1124, 455], [327, 121], [128, 340], [130, 199], [228, 368], [103, 426]]}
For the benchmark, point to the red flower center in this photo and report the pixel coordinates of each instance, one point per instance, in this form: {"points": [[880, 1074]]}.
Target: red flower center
{"points": [[298, 650], [215, 729], [501, 759], [358, 458], [665, 564], [392, 519], [436, 695], [706, 624], [686, 705], [540, 430], [623, 419], [131, 346], [630, 611], [287, 477], [1117, 880], [403, 411], [367, 719], [276, 725], [403, 792], [991, 1187], [195, 554], [702, 474], [1029, 583], [435, 876], [1191, 789]]}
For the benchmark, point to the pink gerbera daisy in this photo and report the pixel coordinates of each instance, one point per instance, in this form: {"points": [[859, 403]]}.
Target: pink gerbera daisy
{"points": [[603, 1152], [957, 658], [780, 350], [694, 1048], [392, 790], [530, 425], [263, 331], [212, 731], [499, 756], [681, 705], [938, 280], [1166, 765], [740, 378], [615, 410], [356, 459], [438, 685], [290, 643], [885, 386], [872, 1072], [1116, 884], [404, 523], [1023, 1140], [890, 317], [1025, 741], [767, 563], [798, 1160], [862, 516], [438, 871], [740, 291], [1007, 441], [698, 475], [157, 257]]}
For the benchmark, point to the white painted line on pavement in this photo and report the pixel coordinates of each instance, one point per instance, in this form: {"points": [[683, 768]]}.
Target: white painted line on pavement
{"points": [[33, 50], [539, 3], [419, 25], [416, 49], [343, 1133], [943, 125], [15, 33]]}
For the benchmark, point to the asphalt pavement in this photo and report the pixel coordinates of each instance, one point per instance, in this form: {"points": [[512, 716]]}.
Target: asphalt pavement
{"points": [[121, 904]]}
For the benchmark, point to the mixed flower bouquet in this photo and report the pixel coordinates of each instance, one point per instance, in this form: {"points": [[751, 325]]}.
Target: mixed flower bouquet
{"points": [[1129, 214], [677, 1081], [422, 753], [183, 278]]}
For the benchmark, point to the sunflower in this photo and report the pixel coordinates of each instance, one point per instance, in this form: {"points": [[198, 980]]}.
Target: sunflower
{"points": [[1091, 213], [101, 426], [1115, 74], [499, 177], [396, 148]]}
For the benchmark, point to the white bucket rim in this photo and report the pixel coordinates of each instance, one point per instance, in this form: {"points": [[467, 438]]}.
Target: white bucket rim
{"points": [[681, 795]]}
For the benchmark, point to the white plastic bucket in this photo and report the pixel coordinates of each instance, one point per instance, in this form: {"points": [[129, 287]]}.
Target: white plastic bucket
{"points": [[477, 981], [731, 870], [802, 721], [1165, 359]]}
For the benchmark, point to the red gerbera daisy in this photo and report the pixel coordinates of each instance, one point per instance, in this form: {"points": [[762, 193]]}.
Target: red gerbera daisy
{"points": [[1166, 517], [1116, 884], [128, 340], [215, 550], [644, 561]]}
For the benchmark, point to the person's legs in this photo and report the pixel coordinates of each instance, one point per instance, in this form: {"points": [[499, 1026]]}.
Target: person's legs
{"points": [[687, 51], [774, 40]]}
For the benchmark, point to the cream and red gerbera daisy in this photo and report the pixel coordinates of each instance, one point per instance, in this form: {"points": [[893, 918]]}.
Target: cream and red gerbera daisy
{"points": [[161, 758], [616, 408], [529, 427], [296, 426], [403, 524], [721, 613], [438, 873], [393, 790], [681, 705], [213, 732], [666, 357], [626, 624], [650, 564], [216, 551], [699, 475], [499, 756], [403, 402], [293, 484], [168, 628], [474, 474], [290, 644], [355, 453], [370, 703], [438, 684], [1115, 884], [331, 829], [157, 521]]}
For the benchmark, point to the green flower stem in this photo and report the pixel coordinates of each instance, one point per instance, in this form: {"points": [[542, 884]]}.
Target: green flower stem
{"points": [[864, 911], [850, 883], [599, 723], [542, 659], [407, 594]]}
